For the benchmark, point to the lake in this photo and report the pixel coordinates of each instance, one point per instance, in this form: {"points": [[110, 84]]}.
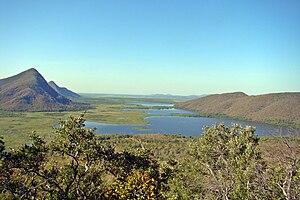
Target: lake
{"points": [[162, 121]]}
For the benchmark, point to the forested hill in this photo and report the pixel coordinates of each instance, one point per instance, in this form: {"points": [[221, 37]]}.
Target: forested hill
{"points": [[277, 107]]}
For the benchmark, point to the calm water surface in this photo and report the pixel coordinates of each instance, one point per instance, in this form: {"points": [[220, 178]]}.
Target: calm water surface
{"points": [[160, 121]]}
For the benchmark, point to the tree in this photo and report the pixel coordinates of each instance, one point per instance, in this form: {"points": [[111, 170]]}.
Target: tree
{"points": [[3, 170], [76, 165], [22, 169], [284, 179], [2, 147], [229, 162]]}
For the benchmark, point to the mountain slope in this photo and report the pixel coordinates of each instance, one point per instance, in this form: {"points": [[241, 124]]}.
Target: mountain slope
{"points": [[63, 91], [29, 91], [263, 108]]}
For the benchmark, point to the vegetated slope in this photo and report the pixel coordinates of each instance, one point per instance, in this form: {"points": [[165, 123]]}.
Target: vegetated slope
{"points": [[277, 107], [63, 91], [29, 91]]}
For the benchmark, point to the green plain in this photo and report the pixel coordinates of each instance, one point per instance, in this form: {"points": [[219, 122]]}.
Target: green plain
{"points": [[16, 127]]}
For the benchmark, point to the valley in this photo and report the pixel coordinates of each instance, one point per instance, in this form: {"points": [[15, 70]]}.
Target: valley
{"points": [[133, 131], [156, 100], [171, 137], [126, 115]]}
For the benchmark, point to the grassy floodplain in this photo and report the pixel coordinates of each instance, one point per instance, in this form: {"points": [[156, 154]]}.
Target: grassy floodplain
{"points": [[17, 126]]}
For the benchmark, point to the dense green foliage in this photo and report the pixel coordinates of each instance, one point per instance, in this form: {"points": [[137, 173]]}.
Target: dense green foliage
{"points": [[224, 163], [232, 166]]}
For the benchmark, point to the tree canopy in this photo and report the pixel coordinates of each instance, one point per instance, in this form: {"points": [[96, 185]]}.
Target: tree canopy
{"points": [[223, 163]]}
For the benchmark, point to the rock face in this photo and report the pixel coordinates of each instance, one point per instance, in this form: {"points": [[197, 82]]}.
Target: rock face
{"points": [[63, 91], [267, 107], [29, 91]]}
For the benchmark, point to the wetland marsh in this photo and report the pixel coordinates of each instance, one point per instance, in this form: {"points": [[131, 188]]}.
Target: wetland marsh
{"points": [[121, 116]]}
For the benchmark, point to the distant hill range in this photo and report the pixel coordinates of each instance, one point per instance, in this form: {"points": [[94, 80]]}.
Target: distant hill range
{"points": [[175, 97], [277, 107], [152, 97], [29, 91], [63, 91]]}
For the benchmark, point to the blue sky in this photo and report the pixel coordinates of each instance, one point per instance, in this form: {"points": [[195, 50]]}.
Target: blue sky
{"points": [[155, 46]]}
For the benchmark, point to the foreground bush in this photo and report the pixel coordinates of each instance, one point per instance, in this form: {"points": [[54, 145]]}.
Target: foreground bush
{"points": [[224, 163], [229, 162], [77, 166]]}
